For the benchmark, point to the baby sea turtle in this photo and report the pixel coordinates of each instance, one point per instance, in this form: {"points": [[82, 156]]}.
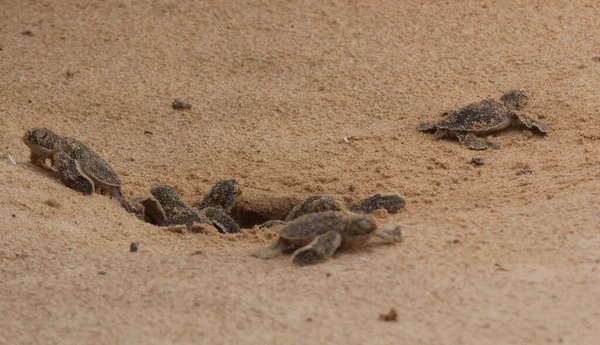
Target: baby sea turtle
{"points": [[484, 117], [78, 166], [223, 194], [319, 235], [316, 204], [391, 202], [220, 220], [166, 208]]}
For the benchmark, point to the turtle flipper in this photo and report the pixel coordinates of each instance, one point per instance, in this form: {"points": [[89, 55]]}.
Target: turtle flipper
{"points": [[71, 175], [392, 234], [221, 220], [321, 249], [153, 211], [476, 143], [426, 126], [272, 251], [37, 160], [531, 122]]}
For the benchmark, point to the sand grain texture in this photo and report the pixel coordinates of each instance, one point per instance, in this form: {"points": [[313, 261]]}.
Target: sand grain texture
{"points": [[293, 99]]}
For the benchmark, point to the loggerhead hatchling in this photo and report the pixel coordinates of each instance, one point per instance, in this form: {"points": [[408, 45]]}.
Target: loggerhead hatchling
{"points": [[165, 208], [318, 235], [484, 117], [222, 195], [316, 204], [78, 166], [391, 202]]}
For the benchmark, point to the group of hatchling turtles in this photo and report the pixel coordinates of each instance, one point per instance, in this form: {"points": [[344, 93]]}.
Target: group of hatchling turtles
{"points": [[316, 227]]}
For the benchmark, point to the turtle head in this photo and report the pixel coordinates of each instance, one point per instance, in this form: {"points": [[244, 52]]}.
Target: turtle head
{"points": [[361, 225], [167, 196], [223, 194], [226, 193], [515, 98], [43, 141]]}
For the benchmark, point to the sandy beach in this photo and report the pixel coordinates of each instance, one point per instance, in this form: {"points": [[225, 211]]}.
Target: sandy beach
{"points": [[297, 98]]}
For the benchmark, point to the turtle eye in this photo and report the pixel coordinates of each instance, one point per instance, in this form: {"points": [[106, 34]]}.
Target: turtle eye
{"points": [[364, 224]]}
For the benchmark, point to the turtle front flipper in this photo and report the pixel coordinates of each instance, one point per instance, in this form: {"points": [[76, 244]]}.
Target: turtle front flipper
{"points": [[319, 250], [272, 251], [476, 143], [37, 160], [391, 233], [220, 220], [426, 126], [531, 122], [71, 175], [153, 211]]}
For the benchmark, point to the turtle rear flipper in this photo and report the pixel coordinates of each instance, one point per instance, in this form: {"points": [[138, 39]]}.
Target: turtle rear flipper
{"points": [[531, 122], [69, 172], [321, 249], [476, 143]]}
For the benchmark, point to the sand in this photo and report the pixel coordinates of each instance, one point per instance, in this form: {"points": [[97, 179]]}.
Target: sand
{"points": [[294, 99]]}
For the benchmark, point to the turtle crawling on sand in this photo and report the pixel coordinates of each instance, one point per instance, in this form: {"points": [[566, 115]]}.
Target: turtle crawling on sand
{"points": [[78, 166], [391, 202], [318, 235], [469, 123], [166, 208], [316, 204]]}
